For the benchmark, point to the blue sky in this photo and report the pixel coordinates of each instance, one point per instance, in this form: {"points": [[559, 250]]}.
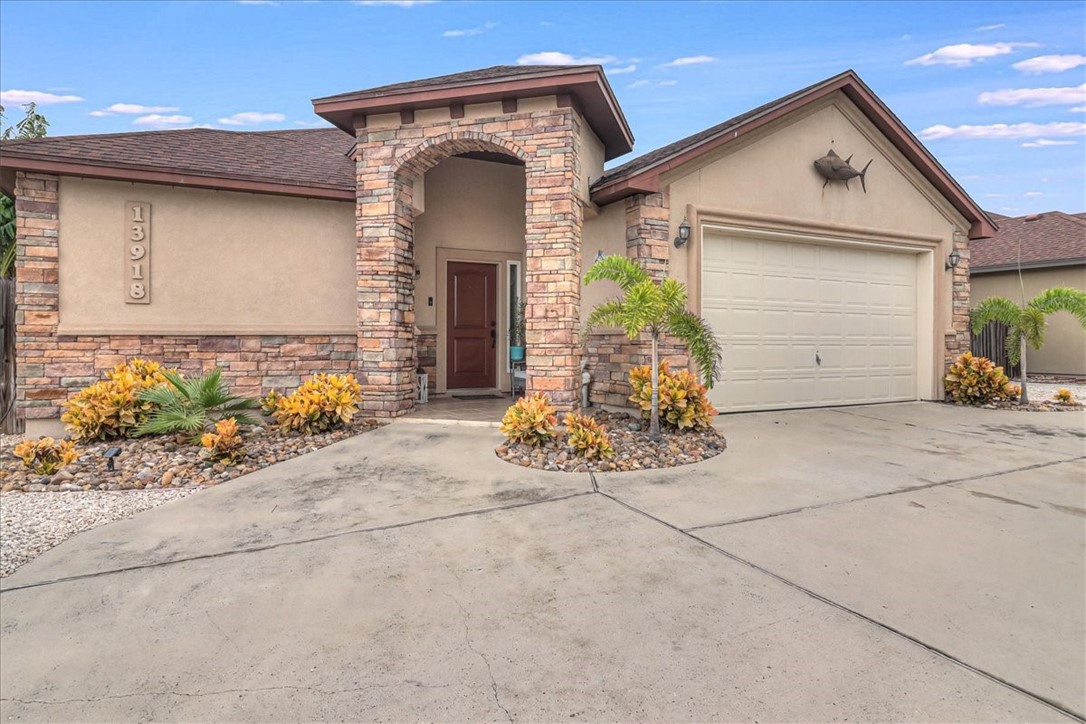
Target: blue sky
{"points": [[997, 90]]}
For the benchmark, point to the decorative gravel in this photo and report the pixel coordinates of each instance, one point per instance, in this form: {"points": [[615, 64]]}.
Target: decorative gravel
{"points": [[163, 462], [32, 524], [633, 448]]}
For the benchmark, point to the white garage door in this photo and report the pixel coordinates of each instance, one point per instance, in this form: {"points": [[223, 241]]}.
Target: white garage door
{"points": [[808, 325]]}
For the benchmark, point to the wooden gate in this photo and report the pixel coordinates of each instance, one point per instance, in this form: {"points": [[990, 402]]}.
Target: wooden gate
{"points": [[992, 343]]}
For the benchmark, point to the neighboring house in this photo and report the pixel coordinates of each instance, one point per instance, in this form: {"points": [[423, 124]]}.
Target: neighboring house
{"points": [[403, 236], [1050, 249]]}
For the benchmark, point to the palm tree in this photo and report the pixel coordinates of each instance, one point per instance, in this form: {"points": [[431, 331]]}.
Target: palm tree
{"points": [[658, 308], [191, 405], [1026, 324]]}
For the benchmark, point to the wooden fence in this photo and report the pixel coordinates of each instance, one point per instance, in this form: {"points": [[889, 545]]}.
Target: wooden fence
{"points": [[10, 422], [992, 343]]}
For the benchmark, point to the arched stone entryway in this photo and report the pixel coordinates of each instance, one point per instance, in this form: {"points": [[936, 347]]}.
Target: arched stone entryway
{"points": [[389, 161]]}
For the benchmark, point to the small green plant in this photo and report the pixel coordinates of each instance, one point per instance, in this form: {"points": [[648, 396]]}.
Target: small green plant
{"points": [[269, 403], [224, 444], [530, 420], [321, 403], [976, 381], [114, 407], [1064, 396], [45, 455], [684, 402], [190, 406], [588, 438]]}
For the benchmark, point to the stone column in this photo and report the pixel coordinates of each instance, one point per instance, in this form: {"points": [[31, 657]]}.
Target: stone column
{"points": [[648, 234], [39, 369], [961, 339], [386, 282]]}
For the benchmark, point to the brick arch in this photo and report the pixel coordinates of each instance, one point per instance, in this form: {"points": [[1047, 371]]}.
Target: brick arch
{"points": [[421, 158]]}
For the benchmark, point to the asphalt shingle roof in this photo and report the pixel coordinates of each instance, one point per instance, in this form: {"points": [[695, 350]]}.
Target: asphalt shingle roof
{"points": [[494, 72], [1048, 237], [308, 157]]}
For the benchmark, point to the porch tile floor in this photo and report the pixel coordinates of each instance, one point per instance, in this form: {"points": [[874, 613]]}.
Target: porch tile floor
{"points": [[450, 408]]}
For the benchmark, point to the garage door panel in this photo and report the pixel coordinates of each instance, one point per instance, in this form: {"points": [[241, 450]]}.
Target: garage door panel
{"points": [[777, 305]]}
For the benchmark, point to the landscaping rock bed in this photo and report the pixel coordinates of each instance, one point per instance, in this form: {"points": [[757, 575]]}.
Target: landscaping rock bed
{"points": [[163, 462], [633, 448], [1033, 406]]}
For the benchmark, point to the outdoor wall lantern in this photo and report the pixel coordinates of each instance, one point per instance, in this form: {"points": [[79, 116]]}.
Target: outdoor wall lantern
{"points": [[418, 271], [953, 259], [599, 256], [684, 234]]}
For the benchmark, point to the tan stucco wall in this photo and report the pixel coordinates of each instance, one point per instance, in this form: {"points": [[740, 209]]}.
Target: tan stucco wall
{"points": [[766, 181], [380, 121], [590, 158], [1064, 351], [604, 230], [221, 262]]}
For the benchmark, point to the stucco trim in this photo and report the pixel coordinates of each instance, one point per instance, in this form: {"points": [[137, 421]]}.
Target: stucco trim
{"points": [[157, 330], [115, 172]]}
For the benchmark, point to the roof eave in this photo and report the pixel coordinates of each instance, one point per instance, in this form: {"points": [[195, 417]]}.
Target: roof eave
{"points": [[1027, 265], [589, 86], [11, 162]]}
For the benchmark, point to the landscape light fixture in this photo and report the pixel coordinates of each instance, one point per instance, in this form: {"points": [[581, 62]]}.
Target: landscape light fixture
{"points": [[684, 234], [109, 455], [953, 259], [599, 256]]}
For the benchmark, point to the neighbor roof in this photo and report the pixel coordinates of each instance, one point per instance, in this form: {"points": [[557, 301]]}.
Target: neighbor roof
{"points": [[586, 83], [1043, 240], [309, 162], [642, 174]]}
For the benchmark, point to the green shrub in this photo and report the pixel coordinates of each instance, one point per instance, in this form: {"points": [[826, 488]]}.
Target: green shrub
{"points": [[190, 406], [321, 403], [684, 402], [976, 381], [114, 407], [588, 438], [531, 420]]}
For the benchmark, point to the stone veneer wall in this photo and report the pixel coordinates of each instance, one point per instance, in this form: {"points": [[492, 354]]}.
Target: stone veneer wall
{"points": [[50, 367], [961, 339], [426, 351], [548, 143]]}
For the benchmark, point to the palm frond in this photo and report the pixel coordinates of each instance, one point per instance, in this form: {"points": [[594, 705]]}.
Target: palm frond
{"points": [[995, 309], [674, 295], [704, 347], [643, 309], [622, 270], [607, 314], [1062, 299], [1031, 323]]}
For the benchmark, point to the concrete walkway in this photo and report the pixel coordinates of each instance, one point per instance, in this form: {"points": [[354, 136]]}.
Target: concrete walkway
{"points": [[904, 562]]}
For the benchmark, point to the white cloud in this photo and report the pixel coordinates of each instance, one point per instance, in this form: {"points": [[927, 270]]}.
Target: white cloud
{"points": [[251, 118], [1033, 97], [479, 30], [42, 98], [1003, 130], [1078, 109], [1034, 194], [906, 37], [156, 120], [666, 83], [395, 3], [965, 53], [995, 196], [132, 108], [553, 57], [996, 26], [622, 69], [1011, 209], [690, 60], [312, 124], [1045, 143], [1050, 63], [646, 83]]}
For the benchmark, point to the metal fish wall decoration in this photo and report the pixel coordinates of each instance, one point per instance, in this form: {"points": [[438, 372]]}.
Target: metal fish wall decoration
{"points": [[834, 168]]}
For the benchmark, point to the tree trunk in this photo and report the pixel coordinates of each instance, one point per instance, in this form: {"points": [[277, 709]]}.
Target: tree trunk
{"points": [[1024, 399], [654, 414]]}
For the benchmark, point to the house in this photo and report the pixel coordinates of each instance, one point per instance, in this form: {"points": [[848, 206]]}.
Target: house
{"points": [[1050, 250], [403, 236]]}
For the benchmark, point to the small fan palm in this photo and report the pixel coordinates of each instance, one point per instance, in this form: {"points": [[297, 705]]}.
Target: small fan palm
{"points": [[658, 308], [192, 405], [1026, 324]]}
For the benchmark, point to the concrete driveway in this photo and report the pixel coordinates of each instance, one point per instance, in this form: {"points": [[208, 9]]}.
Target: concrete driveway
{"points": [[900, 562]]}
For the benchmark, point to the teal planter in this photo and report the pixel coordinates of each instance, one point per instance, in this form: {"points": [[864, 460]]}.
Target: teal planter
{"points": [[516, 354]]}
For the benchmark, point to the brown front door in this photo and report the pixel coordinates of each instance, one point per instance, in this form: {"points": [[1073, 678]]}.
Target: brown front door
{"points": [[471, 325]]}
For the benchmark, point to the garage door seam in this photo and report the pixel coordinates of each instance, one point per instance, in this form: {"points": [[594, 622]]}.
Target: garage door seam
{"points": [[900, 491], [845, 609], [284, 544]]}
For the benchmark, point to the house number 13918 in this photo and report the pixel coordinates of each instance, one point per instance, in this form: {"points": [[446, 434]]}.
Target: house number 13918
{"points": [[137, 257]]}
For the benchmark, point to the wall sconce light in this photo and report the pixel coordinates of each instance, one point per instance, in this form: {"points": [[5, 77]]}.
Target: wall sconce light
{"points": [[418, 271], [599, 256], [684, 234], [953, 259]]}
